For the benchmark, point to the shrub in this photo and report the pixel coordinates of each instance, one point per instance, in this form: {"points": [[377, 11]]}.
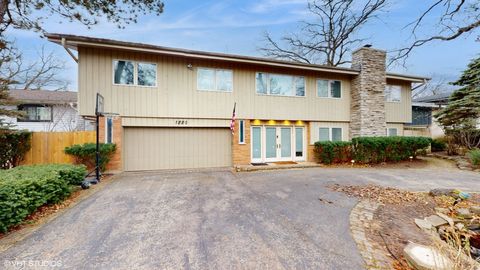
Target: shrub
{"points": [[333, 152], [25, 188], [85, 153], [383, 149], [474, 156], [14, 145], [438, 145]]}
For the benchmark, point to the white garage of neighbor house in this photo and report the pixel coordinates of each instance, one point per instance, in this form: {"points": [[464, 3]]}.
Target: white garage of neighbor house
{"points": [[175, 106]]}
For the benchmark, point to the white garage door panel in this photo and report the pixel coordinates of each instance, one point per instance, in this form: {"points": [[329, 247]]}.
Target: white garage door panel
{"points": [[176, 148]]}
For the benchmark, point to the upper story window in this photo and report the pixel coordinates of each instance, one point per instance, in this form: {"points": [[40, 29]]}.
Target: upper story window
{"points": [[209, 79], [147, 74], [329, 89], [393, 93], [280, 85], [36, 113], [134, 73]]}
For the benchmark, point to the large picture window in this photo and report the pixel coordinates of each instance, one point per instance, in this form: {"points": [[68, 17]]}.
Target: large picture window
{"points": [[329, 89], [134, 73], [279, 85], [36, 113], [209, 79], [393, 93]]}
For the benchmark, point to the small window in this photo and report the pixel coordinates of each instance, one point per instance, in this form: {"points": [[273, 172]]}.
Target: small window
{"points": [[279, 85], [209, 79], [392, 132], [299, 142], [36, 113], [336, 134], [147, 74], [241, 132], [393, 93], [329, 89], [123, 72], [108, 130], [330, 134], [324, 134]]}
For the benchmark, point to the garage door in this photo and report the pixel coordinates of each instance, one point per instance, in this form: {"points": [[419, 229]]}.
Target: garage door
{"points": [[176, 148]]}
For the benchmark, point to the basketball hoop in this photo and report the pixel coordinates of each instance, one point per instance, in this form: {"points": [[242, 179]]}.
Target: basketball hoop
{"points": [[99, 111]]}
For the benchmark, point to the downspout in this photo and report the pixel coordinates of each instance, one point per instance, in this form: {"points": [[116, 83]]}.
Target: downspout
{"points": [[64, 44]]}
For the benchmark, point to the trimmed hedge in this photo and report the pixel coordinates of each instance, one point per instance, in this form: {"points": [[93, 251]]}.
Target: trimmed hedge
{"points": [[384, 149], [85, 153], [371, 149], [333, 152], [14, 145], [25, 188], [438, 145]]}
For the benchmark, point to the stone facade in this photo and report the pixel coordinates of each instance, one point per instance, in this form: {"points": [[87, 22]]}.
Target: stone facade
{"points": [[367, 111]]}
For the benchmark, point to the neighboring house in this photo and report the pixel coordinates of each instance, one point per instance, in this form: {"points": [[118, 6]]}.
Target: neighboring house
{"points": [[423, 109], [175, 105], [47, 111]]}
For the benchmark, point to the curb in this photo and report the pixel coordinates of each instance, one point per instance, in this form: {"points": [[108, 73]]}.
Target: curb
{"points": [[361, 218]]}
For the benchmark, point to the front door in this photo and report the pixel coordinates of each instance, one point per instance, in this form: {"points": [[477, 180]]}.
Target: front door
{"points": [[278, 143]]}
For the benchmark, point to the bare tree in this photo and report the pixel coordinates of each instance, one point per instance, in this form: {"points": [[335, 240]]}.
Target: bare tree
{"points": [[457, 18], [439, 84], [41, 73], [329, 38]]}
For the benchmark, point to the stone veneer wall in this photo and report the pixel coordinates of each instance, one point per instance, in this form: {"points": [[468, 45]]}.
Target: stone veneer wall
{"points": [[115, 163], [367, 111]]}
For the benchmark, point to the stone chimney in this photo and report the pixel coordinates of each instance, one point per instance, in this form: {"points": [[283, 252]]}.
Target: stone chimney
{"points": [[367, 109]]}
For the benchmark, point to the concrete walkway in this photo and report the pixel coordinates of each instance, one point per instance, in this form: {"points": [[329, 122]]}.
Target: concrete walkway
{"points": [[218, 220]]}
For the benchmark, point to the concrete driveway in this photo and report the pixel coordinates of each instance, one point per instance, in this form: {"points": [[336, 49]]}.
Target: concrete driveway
{"points": [[217, 220]]}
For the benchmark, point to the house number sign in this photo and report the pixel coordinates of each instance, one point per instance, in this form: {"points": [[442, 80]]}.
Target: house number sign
{"points": [[181, 122]]}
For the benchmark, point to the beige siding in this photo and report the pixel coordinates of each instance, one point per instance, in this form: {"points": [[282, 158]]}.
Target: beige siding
{"points": [[176, 95], [176, 148], [174, 122], [314, 129], [400, 112]]}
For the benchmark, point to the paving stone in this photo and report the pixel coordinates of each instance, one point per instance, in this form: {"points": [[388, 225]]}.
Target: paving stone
{"points": [[450, 220], [441, 210], [423, 224], [475, 210], [436, 221], [426, 258], [464, 213]]}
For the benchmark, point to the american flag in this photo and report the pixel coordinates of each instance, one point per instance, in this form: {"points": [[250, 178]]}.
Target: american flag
{"points": [[232, 122]]}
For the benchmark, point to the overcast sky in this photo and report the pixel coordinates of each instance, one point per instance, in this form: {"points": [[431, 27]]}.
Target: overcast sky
{"points": [[237, 27]]}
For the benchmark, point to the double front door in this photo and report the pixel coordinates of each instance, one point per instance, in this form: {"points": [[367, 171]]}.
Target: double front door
{"points": [[277, 143]]}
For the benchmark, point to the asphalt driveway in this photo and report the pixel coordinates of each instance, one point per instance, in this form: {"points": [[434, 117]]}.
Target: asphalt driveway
{"points": [[217, 220]]}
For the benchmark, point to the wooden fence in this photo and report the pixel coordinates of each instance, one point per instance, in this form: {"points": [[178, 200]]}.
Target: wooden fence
{"points": [[47, 147]]}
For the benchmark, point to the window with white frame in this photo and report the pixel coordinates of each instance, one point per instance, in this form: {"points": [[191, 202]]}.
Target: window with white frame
{"points": [[108, 130], [392, 132], [279, 85], [393, 93], [210, 79], [134, 73], [329, 134], [36, 113], [329, 89], [241, 132]]}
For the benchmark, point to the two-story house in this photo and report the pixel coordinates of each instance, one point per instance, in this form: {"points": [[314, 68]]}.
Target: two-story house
{"points": [[176, 105]]}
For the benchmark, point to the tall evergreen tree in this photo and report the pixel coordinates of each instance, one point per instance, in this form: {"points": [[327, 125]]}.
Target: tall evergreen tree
{"points": [[463, 109]]}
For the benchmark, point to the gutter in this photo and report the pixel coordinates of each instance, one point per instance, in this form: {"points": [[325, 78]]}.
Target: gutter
{"points": [[64, 44]]}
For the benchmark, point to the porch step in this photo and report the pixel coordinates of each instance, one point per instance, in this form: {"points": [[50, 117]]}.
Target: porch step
{"points": [[275, 166]]}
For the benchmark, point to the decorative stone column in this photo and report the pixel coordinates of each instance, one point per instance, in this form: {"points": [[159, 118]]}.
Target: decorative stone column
{"points": [[367, 111]]}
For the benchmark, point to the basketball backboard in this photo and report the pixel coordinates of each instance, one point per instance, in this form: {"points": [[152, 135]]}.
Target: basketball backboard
{"points": [[99, 109]]}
